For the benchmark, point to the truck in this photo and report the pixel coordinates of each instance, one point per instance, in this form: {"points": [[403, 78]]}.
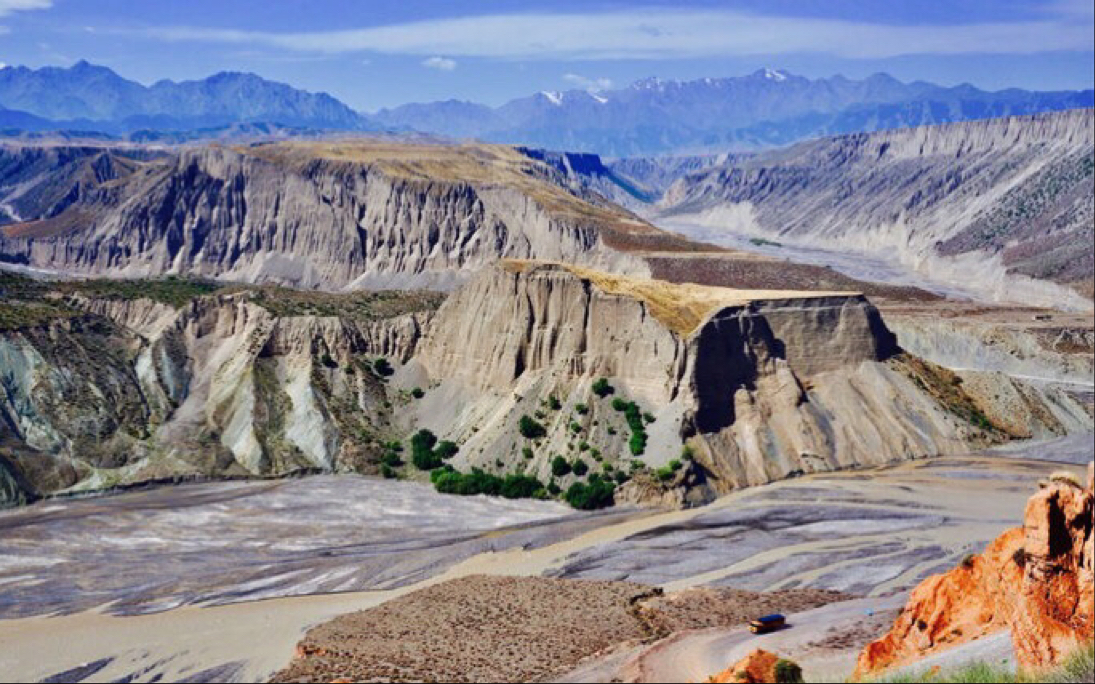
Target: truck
{"points": [[768, 623]]}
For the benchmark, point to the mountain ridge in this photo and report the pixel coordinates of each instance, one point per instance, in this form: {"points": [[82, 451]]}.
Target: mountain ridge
{"points": [[764, 109]]}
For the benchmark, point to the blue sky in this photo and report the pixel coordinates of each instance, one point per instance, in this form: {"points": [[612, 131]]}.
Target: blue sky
{"points": [[385, 52]]}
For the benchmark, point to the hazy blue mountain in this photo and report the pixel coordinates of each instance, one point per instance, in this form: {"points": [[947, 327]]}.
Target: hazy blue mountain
{"points": [[95, 96], [765, 108]]}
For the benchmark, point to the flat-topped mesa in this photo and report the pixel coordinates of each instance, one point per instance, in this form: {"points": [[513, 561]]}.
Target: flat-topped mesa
{"points": [[524, 316], [761, 383]]}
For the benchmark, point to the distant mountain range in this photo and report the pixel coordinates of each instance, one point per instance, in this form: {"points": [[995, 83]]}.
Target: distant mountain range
{"points": [[94, 98], [764, 109]]}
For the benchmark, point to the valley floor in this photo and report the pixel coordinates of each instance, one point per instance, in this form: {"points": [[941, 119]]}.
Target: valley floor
{"points": [[211, 550]]}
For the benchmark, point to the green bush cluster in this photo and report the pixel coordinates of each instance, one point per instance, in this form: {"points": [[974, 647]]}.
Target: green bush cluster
{"points": [[636, 422], [560, 467], [788, 672], [427, 453], [602, 389], [446, 480], [530, 428], [597, 493]]}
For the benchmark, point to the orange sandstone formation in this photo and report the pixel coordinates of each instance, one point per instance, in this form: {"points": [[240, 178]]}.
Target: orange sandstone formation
{"points": [[1036, 580], [755, 668]]}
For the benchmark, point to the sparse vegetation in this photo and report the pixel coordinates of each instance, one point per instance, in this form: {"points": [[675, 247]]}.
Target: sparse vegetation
{"points": [[602, 389], [560, 467], [427, 453], [418, 393], [446, 480], [530, 428], [382, 367], [1078, 667], [788, 672], [636, 421], [597, 493]]}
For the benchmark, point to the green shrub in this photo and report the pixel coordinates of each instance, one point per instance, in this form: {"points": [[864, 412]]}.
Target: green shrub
{"points": [[422, 454], [527, 453], [788, 672], [387, 472], [619, 404], [553, 403], [575, 427], [688, 453], [579, 467], [530, 429], [418, 393], [584, 446], [602, 389], [582, 409], [586, 497], [446, 450], [391, 459], [382, 367], [637, 443], [560, 467]]}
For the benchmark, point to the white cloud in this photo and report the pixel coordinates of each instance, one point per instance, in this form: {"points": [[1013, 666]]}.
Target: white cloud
{"points": [[9, 6], [593, 85], [665, 34], [440, 63]]}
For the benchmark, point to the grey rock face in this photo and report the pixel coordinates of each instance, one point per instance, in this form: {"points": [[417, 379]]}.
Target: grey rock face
{"points": [[303, 216], [763, 386], [135, 390], [992, 204]]}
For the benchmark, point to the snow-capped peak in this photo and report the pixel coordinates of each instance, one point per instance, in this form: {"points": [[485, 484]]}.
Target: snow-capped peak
{"points": [[774, 75], [599, 98], [651, 83], [554, 97]]}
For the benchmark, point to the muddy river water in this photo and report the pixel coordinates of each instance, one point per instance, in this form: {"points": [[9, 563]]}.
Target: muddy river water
{"points": [[219, 580]]}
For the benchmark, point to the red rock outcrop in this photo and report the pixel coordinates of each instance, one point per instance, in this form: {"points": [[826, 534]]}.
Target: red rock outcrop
{"points": [[1035, 580], [757, 667]]}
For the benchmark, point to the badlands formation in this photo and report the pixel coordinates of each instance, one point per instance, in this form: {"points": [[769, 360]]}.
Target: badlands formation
{"points": [[1004, 206], [211, 312], [676, 392]]}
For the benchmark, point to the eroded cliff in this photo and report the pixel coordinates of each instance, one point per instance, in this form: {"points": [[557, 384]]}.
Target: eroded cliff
{"points": [[1001, 206], [104, 390], [339, 215], [751, 385]]}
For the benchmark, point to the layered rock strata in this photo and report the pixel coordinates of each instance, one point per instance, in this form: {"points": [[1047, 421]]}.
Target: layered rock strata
{"points": [[1036, 581]]}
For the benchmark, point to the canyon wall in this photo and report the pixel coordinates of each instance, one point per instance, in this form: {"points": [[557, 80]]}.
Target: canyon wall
{"points": [[121, 392], [315, 215], [1003, 206], [758, 385]]}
